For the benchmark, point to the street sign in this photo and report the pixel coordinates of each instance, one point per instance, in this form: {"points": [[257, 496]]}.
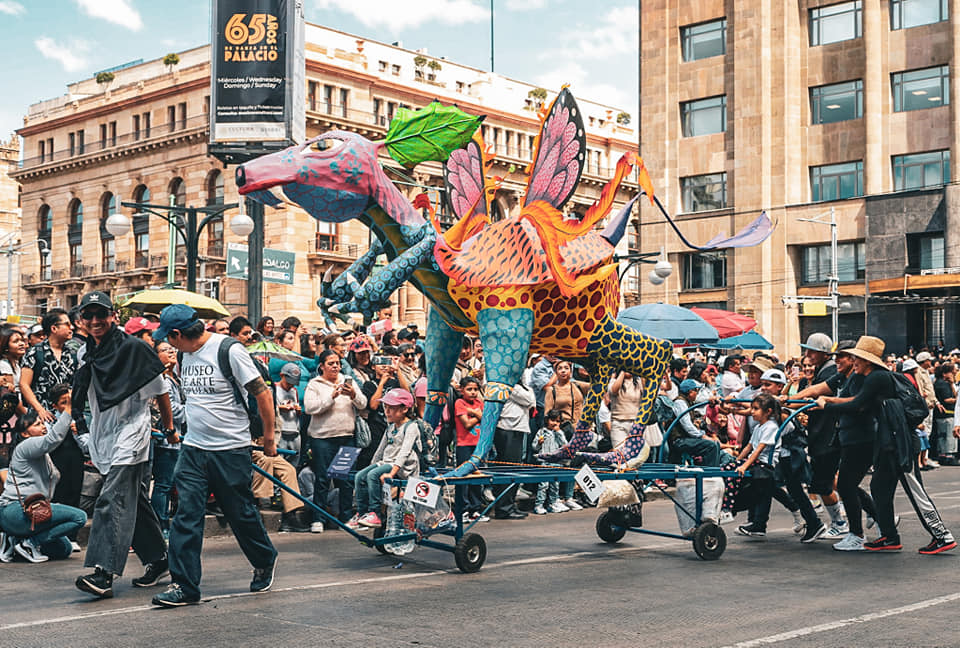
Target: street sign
{"points": [[421, 492], [278, 265], [342, 462]]}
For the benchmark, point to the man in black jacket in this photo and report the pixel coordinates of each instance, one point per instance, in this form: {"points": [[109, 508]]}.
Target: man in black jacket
{"points": [[879, 388]]}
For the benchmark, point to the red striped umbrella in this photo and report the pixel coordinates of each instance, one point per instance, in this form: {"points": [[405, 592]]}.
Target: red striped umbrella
{"points": [[727, 323]]}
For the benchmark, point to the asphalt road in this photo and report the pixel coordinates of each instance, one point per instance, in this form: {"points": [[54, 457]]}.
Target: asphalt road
{"points": [[548, 581]]}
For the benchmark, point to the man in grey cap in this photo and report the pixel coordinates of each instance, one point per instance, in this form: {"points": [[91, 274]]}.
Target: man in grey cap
{"points": [[821, 437], [288, 405], [925, 385]]}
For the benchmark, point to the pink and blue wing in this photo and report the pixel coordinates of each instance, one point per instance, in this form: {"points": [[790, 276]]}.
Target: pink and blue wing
{"points": [[560, 155], [464, 179]]}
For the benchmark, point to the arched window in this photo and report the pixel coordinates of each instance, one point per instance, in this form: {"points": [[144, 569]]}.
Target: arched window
{"points": [[215, 226], [141, 230], [44, 233], [75, 237], [178, 189], [108, 247]]}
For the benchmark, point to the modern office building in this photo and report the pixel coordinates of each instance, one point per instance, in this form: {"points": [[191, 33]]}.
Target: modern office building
{"points": [[807, 109], [142, 136]]}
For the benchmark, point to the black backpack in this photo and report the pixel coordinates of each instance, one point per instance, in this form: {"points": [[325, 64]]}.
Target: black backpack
{"points": [[914, 407], [429, 445], [663, 412]]}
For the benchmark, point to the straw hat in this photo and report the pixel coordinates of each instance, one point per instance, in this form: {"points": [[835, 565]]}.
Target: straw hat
{"points": [[869, 348]]}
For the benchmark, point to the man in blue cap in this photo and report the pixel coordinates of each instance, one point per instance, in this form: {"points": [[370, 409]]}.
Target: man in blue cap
{"points": [[686, 437], [215, 455]]}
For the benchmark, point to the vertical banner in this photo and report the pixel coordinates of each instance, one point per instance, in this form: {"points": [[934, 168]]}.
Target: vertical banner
{"points": [[257, 72]]}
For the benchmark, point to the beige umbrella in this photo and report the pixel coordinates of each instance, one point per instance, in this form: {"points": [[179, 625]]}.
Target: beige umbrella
{"points": [[153, 301]]}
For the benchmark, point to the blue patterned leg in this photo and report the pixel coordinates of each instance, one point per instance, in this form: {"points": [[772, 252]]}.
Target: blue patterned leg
{"points": [[442, 349], [386, 280], [506, 342], [338, 290]]}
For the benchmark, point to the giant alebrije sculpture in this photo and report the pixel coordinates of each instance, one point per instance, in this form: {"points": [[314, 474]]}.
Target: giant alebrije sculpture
{"points": [[533, 283]]}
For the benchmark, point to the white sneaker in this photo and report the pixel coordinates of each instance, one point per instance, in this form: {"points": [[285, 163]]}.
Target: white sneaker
{"points": [[316, 527], [523, 495], [74, 547], [798, 523], [557, 507], [478, 517], [932, 464], [837, 531], [30, 551], [850, 542], [488, 494], [572, 504], [726, 517], [539, 510], [6, 548]]}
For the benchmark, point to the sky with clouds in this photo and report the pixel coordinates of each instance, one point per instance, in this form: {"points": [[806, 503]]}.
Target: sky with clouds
{"points": [[592, 46]]}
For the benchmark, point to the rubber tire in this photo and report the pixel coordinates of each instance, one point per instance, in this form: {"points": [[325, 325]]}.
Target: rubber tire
{"points": [[608, 529], [709, 540], [377, 534], [470, 553]]}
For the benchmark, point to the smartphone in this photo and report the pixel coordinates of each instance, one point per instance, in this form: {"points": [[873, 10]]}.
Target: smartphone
{"points": [[382, 360], [348, 381]]}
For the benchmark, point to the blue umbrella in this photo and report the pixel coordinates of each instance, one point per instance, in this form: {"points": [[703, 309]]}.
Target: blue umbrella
{"points": [[749, 340], [680, 325]]}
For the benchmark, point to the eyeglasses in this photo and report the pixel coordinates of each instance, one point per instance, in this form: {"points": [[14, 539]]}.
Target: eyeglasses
{"points": [[409, 355], [95, 314]]}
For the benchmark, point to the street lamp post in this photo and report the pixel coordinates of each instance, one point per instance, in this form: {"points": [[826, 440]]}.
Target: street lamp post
{"points": [[184, 219], [10, 250]]}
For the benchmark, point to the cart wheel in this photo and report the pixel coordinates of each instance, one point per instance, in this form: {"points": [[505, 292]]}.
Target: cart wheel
{"points": [[709, 541], [470, 553], [608, 529], [377, 534]]}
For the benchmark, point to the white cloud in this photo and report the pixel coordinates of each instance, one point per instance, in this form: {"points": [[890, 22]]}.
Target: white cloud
{"points": [[526, 5], [71, 56], [12, 8], [579, 79], [119, 12], [615, 34], [406, 14]]}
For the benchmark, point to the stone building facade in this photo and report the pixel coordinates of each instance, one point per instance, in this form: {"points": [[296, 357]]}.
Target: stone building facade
{"points": [[143, 137], [801, 109], [9, 222]]}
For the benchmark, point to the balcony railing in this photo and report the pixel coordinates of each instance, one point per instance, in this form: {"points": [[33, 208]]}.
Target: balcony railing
{"points": [[215, 249], [324, 244], [79, 271], [141, 259]]}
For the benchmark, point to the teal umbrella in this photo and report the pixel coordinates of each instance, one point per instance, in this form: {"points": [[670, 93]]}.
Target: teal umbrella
{"points": [[680, 325], [748, 340]]}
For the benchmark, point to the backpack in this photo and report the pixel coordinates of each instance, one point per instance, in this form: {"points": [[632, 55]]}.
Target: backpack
{"points": [[663, 412], [429, 445], [914, 407], [249, 403]]}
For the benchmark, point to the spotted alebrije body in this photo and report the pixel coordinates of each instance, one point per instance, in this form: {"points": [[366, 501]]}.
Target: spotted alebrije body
{"points": [[563, 326]]}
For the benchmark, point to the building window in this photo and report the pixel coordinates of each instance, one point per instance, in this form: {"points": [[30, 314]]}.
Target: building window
{"points": [[921, 170], [136, 127], [459, 86], [171, 118], [76, 259], [704, 40], [835, 23], [113, 133], [378, 117], [215, 226], [312, 95], [46, 269], [76, 214], [344, 99], [215, 188], [145, 121], [926, 251], [76, 143], [705, 271], [905, 14], [395, 70], [704, 192], [182, 114], [141, 194], [836, 102], [704, 116], [382, 66], [141, 230], [108, 247], [103, 136], [851, 263], [44, 222], [836, 181], [178, 189], [919, 89], [141, 258], [328, 99], [41, 149]]}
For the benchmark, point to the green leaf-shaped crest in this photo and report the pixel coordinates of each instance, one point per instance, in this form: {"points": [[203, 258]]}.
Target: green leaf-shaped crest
{"points": [[431, 133]]}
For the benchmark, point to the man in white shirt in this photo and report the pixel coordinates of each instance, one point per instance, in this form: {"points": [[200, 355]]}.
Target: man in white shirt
{"points": [[118, 376], [215, 456]]}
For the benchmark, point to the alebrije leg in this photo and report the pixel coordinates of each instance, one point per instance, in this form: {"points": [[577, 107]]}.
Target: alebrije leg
{"points": [[442, 347], [506, 342]]}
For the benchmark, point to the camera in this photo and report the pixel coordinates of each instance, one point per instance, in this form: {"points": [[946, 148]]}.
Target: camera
{"points": [[382, 360]]}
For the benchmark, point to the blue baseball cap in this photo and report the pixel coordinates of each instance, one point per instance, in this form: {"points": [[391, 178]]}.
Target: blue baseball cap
{"points": [[175, 316], [686, 386]]}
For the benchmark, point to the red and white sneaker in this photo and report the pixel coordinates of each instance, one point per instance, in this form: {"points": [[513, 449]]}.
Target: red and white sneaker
{"points": [[371, 520]]}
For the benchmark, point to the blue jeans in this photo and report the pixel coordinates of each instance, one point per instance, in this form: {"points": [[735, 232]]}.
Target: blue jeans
{"points": [[548, 492], [472, 495], [164, 463], [324, 450], [228, 474], [65, 521], [369, 489]]}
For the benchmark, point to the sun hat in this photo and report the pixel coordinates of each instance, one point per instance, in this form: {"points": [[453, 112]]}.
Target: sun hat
{"points": [[397, 396], [761, 364], [869, 348], [909, 365]]}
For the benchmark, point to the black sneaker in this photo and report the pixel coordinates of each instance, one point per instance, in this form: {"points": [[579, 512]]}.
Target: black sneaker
{"points": [[752, 530], [155, 571], [99, 583], [810, 535], [173, 596], [263, 578], [883, 543], [938, 545], [292, 523]]}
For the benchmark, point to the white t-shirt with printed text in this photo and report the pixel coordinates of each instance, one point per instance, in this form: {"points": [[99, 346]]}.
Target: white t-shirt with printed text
{"points": [[215, 420]]}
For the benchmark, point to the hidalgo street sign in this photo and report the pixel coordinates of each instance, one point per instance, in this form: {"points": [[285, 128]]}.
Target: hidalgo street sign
{"points": [[278, 265]]}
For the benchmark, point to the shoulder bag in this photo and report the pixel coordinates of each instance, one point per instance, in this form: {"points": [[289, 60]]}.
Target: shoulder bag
{"points": [[36, 507]]}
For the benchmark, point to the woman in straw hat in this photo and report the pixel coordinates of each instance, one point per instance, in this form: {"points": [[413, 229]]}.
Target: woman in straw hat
{"points": [[879, 385]]}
